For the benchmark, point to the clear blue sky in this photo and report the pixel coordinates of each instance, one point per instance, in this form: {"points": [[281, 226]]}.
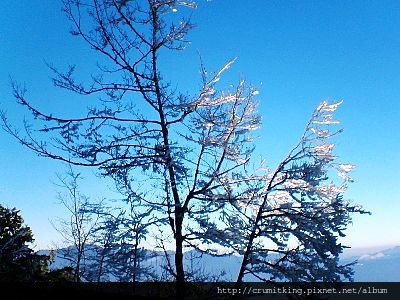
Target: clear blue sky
{"points": [[298, 52]]}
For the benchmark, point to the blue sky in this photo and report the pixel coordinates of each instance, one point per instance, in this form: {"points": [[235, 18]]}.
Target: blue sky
{"points": [[297, 52]]}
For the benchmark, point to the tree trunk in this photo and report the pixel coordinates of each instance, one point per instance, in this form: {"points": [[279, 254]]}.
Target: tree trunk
{"points": [[180, 273]]}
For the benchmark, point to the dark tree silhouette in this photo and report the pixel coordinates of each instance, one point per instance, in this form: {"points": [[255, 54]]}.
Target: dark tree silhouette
{"points": [[187, 157], [18, 262]]}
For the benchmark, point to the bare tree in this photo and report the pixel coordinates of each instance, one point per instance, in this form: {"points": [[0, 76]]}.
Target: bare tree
{"points": [[78, 229], [100, 257], [129, 254], [102, 242], [185, 157]]}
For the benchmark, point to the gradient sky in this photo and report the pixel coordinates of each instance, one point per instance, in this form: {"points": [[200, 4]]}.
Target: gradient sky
{"points": [[297, 52]]}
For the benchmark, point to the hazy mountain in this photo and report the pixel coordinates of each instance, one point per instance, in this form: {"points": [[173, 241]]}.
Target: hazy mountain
{"points": [[372, 265], [378, 266]]}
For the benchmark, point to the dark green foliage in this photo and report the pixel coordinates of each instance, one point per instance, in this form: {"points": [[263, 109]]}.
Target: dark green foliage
{"points": [[18, 262]]}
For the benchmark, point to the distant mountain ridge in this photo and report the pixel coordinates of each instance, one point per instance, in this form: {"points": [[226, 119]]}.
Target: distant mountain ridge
{"points": [[380, 266], [375, 266]]}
